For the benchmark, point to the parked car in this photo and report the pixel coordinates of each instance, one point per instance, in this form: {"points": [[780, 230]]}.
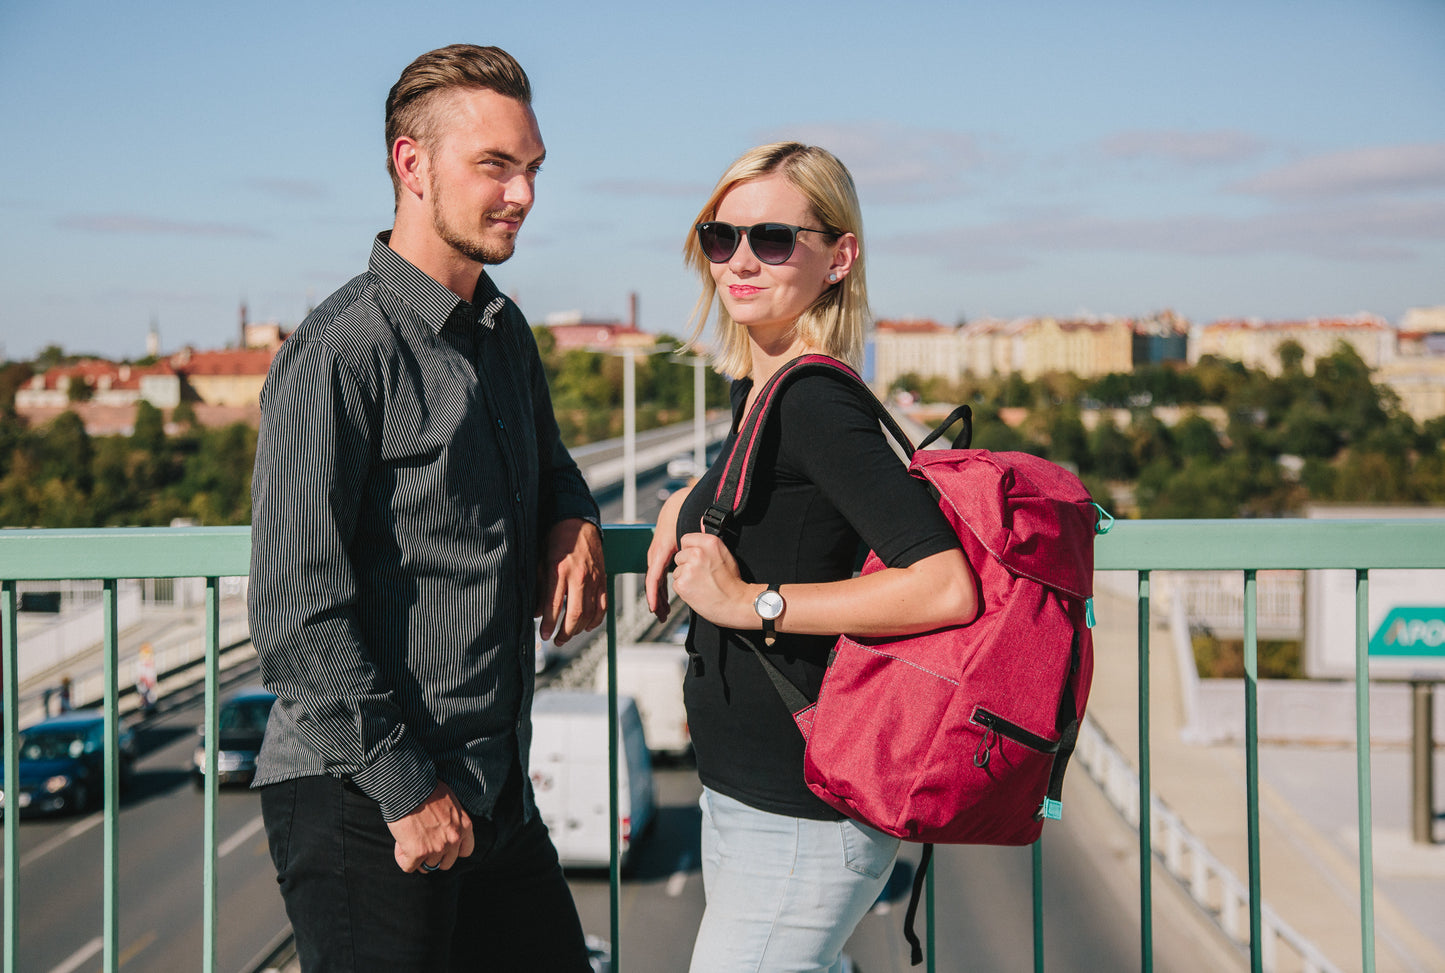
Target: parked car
{"points": [[569, 775], [652, 673], [242, 720], [62, 763]]}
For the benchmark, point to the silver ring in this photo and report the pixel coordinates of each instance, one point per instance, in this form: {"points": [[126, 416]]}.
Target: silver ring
{"points": [[430, 868]]}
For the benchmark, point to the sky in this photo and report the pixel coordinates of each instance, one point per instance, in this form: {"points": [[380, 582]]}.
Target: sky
{"points": [[167, 161]]}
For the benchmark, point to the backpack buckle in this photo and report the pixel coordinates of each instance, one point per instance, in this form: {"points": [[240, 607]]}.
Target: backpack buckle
{"points": [[715, 520]]}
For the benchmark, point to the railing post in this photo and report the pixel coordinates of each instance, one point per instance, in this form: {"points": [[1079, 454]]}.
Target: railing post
{"points": [[111, 923], [9, 671], [1251, 762], [614, 876], [1362, 756], [1037, 854], [1146, 851], [211, 776]]}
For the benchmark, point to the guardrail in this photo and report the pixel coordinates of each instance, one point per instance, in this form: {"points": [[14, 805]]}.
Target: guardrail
{"points": [[1139, 546]]}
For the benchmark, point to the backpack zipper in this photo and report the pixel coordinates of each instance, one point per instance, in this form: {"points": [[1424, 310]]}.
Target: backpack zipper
{"points": [[996, 726]]}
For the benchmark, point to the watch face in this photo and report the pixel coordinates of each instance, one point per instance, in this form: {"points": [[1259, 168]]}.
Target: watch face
{"points": [[769, 604]]}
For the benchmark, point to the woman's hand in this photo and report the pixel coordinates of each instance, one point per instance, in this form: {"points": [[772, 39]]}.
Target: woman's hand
{"points": [[660, 554], [706, 577]]}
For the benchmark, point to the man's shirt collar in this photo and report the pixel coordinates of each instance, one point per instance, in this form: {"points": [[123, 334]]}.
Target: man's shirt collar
{"points": [[436, 304]]}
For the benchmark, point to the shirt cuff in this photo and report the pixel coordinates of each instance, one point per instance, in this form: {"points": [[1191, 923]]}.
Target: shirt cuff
{"points": [[566, 506], [399, 782]]}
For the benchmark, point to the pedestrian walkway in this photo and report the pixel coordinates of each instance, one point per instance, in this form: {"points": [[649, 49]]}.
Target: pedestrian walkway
{"points": [[1308, 835]]}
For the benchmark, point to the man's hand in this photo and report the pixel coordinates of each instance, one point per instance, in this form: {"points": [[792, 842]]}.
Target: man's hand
{"points": [[435, 835], [572, 575]]}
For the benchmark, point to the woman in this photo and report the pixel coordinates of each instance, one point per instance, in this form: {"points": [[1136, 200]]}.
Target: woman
{"points": [[786, 877]]}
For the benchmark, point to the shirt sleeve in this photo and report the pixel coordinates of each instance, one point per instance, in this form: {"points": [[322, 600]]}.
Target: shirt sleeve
{"points": [[833, 438], [312, 457], [564, 491]]}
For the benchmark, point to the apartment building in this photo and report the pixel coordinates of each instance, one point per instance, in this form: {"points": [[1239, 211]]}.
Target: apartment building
{"points": [[1256, 343], [990, 346]]}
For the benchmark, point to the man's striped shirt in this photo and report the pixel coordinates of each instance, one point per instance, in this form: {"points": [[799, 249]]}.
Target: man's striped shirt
{"points": [[407, 471]]}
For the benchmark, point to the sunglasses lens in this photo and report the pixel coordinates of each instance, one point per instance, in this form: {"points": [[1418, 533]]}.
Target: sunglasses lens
{"points": [[772, 243], [718, 241]]}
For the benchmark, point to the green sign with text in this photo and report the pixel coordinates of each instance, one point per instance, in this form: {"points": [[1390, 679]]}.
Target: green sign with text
{"points": [[1411, 631]]}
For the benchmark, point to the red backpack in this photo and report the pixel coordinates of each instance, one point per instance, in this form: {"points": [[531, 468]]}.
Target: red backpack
{"points": [[959, 735]]}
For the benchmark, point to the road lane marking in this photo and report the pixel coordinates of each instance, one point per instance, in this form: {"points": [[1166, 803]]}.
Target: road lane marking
{"points": [[80, 956], [131, 951], [74, 831], [247, 832]]}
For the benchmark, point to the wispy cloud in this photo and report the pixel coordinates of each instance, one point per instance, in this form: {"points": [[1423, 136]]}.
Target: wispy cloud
{"points": [[1360, 232], [1382, 169], [895, 163], [132, 223], [287, 189], [670, 188], [1184, 148]]}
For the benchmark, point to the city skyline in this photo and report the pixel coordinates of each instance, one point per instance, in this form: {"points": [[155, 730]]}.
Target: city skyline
{"points": [[1273, 160]]}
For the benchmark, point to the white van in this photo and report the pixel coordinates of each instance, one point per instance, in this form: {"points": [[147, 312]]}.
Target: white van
{"points": [[569, 774], [652, 673]]}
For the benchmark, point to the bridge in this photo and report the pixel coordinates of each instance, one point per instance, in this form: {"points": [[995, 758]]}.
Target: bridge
{"points": [[1171, 856]]}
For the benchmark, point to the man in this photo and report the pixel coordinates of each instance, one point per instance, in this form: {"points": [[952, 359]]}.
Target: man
{"points": [[413, 505]]}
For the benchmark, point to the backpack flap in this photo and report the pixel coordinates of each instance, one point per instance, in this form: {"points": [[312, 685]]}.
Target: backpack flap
{"points": [[1032, 516]]}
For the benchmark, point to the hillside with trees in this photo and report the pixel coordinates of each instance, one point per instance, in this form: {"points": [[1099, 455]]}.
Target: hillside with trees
{"points": [[1248, 444], [1245, 444], [172, 468]]}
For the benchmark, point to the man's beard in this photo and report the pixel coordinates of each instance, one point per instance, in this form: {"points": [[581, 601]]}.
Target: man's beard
{"points": [[474, 248]]}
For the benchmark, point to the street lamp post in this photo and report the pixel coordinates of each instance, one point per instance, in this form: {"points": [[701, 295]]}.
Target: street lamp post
{"points": [[699, 409]]}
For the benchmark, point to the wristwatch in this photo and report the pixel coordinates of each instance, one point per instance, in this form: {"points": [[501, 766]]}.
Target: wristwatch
{"points": [[769, 605]]}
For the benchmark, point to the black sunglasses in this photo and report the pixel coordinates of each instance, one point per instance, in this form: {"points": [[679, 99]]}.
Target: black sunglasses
{"points": [[772, 243]]}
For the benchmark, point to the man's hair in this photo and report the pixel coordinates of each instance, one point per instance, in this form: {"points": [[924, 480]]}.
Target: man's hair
{"points": [[836, 320], [411, 105]]}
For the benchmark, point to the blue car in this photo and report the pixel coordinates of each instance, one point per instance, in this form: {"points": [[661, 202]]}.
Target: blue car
{"points": [[243, 725], [62, 764]]}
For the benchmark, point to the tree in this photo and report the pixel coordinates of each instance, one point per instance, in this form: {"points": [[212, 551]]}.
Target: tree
{"points": [[1291, 356], [12, 376], [150, 428], [1308, 432], [1109, 452], [49, 357], [65, 452], [1194, 437], [1068, 441]]}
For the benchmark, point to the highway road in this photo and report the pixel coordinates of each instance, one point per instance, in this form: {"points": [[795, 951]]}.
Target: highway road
{"points": [[984, 911]]}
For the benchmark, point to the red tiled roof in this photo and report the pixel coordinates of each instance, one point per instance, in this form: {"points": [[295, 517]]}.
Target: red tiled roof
{"points": [[1363, 321], [910, 325], [230, 361], [93, 370]]}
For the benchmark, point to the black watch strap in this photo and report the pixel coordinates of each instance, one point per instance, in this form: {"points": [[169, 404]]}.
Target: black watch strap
{"points": [[770, 634]]}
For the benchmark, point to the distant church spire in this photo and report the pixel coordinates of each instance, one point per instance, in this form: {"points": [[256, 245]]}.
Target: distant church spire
{"points": [[153, 339]]}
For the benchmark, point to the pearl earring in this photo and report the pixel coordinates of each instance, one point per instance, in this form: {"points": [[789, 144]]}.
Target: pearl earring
{"points": [[832, 278]]}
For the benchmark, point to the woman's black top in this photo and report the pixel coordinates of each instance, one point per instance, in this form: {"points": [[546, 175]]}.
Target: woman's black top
{"points": [[825, 478]]}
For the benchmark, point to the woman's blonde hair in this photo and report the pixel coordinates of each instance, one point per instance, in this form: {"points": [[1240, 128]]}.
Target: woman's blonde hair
{"points": [[833, 323]]}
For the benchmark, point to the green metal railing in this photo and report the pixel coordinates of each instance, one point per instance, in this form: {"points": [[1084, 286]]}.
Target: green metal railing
{"points": [[1139, 546], [1252, 546]]}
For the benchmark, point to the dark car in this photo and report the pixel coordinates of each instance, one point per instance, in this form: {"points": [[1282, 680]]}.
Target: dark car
{"points": [[62, 763], [243, 724]]}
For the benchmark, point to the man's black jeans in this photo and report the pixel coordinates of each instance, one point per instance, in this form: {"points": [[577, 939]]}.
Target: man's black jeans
{"points": [[505, 908]]}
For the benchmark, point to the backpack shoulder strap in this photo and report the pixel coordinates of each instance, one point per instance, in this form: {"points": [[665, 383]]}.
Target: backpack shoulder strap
{"points": [[737, 479]]}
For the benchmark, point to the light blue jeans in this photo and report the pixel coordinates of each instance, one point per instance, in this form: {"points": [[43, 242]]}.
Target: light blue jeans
{"points": [[783, 893]]}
